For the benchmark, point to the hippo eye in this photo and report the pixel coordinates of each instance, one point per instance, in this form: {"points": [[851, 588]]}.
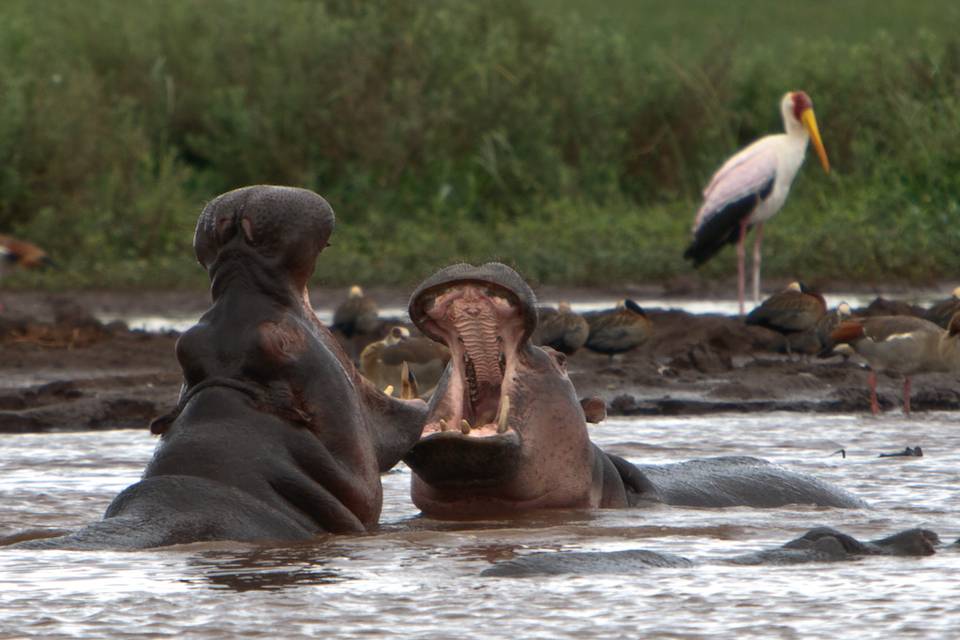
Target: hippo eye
{"points": [[560, 359]]}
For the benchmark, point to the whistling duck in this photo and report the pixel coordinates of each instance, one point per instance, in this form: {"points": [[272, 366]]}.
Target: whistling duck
{"points": [[381, 361], [793, 310], [617, 330], [356, 315], [562, 328]]}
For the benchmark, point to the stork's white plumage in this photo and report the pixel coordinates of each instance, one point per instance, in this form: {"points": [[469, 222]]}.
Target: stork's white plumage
{"points": [[752, 186]]}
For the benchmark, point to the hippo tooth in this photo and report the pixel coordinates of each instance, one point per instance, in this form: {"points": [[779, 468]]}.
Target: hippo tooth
{"points": [[388, 389], [464, 427], [443, 425], [502, 418]]}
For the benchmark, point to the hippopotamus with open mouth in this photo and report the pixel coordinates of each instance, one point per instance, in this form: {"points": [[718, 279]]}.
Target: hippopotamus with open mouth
{"points": [[505, 432], [276, 436]]}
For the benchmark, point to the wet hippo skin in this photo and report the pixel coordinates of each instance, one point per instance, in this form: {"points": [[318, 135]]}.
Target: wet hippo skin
{"points": [[505, 432], [821, 544], [276, 436]]}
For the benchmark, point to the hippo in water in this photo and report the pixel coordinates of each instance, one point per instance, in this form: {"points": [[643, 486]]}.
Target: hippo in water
{"points": [[821, 544], [505, 432], [276, 436]]}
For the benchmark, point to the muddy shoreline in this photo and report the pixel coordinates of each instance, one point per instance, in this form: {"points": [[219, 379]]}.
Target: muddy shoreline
{"points": [[61, 369]]}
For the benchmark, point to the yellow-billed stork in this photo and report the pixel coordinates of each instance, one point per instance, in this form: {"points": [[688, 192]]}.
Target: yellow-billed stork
{"points": [[752, 186]]}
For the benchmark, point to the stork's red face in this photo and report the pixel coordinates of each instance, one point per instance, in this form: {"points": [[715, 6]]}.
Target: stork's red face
{"points": [[801, 103], [802, 111]]}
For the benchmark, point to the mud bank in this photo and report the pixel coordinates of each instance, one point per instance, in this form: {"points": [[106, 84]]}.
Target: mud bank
{"points": [[62, 369]]}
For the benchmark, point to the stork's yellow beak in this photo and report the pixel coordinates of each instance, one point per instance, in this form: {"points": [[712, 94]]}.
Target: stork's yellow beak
{"points": [[810, 122]]}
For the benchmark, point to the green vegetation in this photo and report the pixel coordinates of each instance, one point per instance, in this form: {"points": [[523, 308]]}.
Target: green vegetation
{"points": [[569, 139]]}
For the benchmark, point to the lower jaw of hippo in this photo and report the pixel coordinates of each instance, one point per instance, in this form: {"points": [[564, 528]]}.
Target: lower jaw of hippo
{"points": [[451, 460], [469, 438]]}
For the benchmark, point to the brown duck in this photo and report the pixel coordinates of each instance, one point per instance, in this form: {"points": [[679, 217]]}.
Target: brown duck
{"points": [[381, 362], [562, 328], [817, 341], [357, 315], [794, 310], [903, 345], [618, 330]]}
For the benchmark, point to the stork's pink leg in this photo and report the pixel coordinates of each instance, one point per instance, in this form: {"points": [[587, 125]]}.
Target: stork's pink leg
{"points": [[757, 239], [872, 381], [741, 266], [906, 395]]}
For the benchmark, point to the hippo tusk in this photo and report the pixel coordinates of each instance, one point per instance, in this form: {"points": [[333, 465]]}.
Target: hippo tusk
{"points": [[388, 389], [504, 412], [408, 382], [443, 425], [464, 426]]}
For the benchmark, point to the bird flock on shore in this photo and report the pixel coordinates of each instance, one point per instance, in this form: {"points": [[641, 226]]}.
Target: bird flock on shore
{"points": [[391, 354]]}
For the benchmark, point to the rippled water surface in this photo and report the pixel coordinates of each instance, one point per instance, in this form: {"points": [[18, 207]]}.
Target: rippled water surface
{"points": [[419, 578]]}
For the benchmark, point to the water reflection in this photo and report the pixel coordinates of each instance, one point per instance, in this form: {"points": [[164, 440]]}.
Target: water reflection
{"points": [[265, 568]]}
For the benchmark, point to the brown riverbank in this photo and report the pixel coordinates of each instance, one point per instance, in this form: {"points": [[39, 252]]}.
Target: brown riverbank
{"points": [[61, 369]]}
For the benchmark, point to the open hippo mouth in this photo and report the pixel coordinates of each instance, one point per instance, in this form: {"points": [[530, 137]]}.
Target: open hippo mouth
{"points": [[484, 318]]}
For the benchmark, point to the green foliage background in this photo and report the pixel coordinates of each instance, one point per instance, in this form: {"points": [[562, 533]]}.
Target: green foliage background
{"points": [[569, 138]]}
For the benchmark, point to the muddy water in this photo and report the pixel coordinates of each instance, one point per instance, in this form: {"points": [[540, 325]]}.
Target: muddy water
{"points": [[418, 578]]}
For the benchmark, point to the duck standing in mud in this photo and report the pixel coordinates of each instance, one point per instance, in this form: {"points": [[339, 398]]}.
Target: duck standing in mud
{"points": [[618, 330], [903, 345], [562, 328], [796, 309]]}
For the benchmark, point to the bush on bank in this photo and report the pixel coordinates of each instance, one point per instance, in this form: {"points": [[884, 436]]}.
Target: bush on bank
{"points": [[455, 130]]}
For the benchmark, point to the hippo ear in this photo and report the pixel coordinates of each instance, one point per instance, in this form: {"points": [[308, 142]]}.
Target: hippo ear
{"points": [[216, 225], [594, 409]]}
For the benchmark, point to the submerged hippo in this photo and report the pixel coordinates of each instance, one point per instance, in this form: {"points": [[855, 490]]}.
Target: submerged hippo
{"points": [[505, 432], [822, 544], [276, 436]]}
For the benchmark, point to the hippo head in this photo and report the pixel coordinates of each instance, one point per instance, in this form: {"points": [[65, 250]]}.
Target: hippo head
{"points": [[504, 431], [282, 229]]}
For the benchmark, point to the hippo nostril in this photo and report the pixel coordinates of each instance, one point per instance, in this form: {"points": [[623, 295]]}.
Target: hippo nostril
{"points": [[224, 227], [247, 229]]}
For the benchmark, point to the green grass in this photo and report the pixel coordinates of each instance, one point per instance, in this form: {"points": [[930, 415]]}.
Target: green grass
{"points": [[570, 139]]}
